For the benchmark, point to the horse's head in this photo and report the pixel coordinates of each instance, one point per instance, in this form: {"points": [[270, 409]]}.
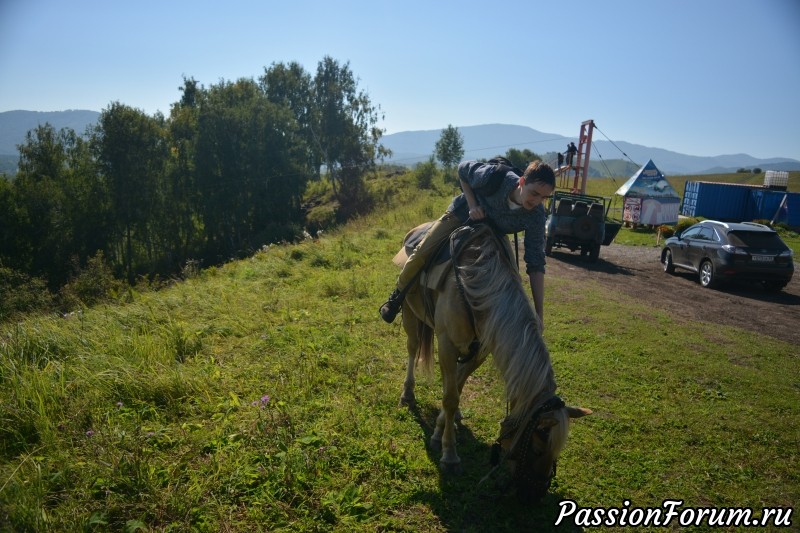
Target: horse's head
{"points": [[532, 446]]}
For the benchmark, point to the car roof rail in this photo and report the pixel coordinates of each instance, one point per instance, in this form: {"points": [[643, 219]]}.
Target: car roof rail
{"points": [[724, 225], [756, 224]]}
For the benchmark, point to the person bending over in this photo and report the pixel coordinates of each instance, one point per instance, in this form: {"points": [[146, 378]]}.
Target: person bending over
{"points": [[516, 205]]}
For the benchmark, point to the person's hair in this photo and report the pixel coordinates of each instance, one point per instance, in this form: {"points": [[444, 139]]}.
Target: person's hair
{"points": [[541, 172]]}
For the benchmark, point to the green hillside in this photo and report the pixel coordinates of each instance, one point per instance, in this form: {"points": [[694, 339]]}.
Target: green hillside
{"points": [[262, 396]]}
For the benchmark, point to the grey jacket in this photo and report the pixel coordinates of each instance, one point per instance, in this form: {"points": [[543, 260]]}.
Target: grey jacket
{"points": [[498, 211]]}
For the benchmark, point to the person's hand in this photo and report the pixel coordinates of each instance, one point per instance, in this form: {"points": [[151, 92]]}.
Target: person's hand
{"points": [[476, 213]]}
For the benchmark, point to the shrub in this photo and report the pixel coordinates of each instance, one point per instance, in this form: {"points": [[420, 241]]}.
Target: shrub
{"points": [[90, 284], [425, 173], [685, 223], [20, 293], [666, 231], [321, 217]]}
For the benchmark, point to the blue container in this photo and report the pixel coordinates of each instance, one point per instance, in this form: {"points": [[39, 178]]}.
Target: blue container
{"points": [[769, 204], [725, 202]]}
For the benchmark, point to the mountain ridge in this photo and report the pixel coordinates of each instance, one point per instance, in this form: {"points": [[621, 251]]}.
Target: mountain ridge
{"points": [[410, 147], [488, 140]]}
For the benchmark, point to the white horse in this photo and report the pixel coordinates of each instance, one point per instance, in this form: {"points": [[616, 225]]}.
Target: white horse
{"points": [[479, 308]]}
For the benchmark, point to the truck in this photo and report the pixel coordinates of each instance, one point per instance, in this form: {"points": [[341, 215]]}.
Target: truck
{"points": [[576, 220], [579, 222]]}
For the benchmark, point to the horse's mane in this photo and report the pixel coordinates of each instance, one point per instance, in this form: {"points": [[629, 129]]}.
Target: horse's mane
{"points": [[505, 323]]}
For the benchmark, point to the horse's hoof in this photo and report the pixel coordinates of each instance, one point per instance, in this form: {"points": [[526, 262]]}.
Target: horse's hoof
{"points": [[451, 469], [409, 402]]}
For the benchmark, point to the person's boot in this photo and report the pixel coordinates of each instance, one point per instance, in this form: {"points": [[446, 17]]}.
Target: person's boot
{"points": [[392, 306]]}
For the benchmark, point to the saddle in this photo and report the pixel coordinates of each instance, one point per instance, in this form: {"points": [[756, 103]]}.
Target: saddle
{"points": [[440, 262]]}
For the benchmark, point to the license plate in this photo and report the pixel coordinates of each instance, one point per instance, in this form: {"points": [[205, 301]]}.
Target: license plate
{"points": [[763, 258]]}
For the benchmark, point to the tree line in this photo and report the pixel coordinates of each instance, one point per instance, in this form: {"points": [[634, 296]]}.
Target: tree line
{"points": [[221, 176]]}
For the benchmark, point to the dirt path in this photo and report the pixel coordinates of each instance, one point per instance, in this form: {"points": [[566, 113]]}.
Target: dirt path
{"points": [[636, 270]]}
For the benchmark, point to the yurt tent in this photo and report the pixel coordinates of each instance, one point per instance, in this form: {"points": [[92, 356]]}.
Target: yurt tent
{"points": [[649, 198]]}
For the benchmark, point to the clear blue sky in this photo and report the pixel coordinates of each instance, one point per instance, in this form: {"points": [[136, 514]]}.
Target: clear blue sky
{"points": [[701, 77]]}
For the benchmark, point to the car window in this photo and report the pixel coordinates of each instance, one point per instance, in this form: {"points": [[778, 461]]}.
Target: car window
{"points": [[706, 234], [756, 239], [691, 233]]}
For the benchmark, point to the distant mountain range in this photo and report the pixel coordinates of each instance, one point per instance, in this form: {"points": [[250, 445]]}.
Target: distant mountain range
{"points": [[485, 141], [14, 126], [619, 158]]}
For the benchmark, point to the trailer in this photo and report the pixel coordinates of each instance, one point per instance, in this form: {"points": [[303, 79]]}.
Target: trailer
{"points": [[576, 220]]}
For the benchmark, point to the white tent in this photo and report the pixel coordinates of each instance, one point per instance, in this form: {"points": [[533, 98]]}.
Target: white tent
{"points": [[649, 198]]}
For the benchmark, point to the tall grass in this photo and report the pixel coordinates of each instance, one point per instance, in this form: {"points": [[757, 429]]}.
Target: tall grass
{"points": [[262, 396]]}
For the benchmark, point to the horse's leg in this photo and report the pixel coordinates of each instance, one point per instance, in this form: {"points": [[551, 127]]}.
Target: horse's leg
{"points": [[412, 345], [465, 370], [445, 432]]}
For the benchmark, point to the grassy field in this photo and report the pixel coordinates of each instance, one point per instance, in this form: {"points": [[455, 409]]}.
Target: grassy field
{"points": [[262, 396]]}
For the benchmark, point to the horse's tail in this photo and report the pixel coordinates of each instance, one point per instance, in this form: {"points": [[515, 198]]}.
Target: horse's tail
{"points": [[425, 348]]}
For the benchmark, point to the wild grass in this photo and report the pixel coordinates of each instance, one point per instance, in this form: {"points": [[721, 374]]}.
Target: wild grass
{"points": [[262, 396]]}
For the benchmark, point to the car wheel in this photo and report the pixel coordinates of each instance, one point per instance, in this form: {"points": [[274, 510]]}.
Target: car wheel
{"points": [[594, 253], [548, 246], [708, 278], [774, 286], [669, 266]]}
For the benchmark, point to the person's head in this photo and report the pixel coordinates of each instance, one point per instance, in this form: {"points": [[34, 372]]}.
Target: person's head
{"points": [[536, 184]]}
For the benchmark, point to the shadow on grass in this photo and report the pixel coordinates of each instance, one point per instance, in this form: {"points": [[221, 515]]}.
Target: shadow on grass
{"points": [[463, 504]]}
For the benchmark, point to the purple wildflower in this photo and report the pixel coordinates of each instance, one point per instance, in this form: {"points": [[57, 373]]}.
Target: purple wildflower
{"points": [[262, 403], [89, 433]]}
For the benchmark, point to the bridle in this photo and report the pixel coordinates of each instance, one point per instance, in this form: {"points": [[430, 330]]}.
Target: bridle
{"points": [[531, 426]]}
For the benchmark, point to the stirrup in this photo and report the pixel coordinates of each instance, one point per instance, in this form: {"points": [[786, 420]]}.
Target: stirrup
{"points": [[391, 307]]}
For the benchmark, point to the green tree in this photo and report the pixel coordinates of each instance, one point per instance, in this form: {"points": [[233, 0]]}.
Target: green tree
{"points": [[180, 220], [132, 151], [521, 158], [250, 169], [290, 86], [425, 172], [59, 204], [345, 136], [449, 148]]}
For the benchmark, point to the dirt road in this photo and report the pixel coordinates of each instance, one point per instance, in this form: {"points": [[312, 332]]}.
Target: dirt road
{"points": [[636, 270]]}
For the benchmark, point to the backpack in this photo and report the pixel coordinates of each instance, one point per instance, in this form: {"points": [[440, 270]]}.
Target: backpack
{"points": [[497, 177]]}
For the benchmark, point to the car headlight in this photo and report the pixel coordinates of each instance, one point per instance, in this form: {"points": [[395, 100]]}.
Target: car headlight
{"points": [[786, 253]]}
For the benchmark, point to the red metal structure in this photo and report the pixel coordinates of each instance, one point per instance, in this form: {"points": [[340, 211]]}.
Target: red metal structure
{"points": [[584, 149], [579, 171]]}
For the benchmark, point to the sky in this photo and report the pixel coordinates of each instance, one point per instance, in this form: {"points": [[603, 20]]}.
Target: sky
{"points": [[699, 77]]}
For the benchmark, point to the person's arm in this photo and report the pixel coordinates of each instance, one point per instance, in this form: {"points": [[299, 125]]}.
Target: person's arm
{"points": [[535, 259], [470, 172], [537, 291], [475, 209]]}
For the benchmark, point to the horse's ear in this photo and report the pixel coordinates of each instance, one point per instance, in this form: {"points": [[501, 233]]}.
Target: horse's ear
{"points": [[577, 412]]}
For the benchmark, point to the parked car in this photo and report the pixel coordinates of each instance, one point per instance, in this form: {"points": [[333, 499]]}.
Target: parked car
{"points": [[722, 251]]}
